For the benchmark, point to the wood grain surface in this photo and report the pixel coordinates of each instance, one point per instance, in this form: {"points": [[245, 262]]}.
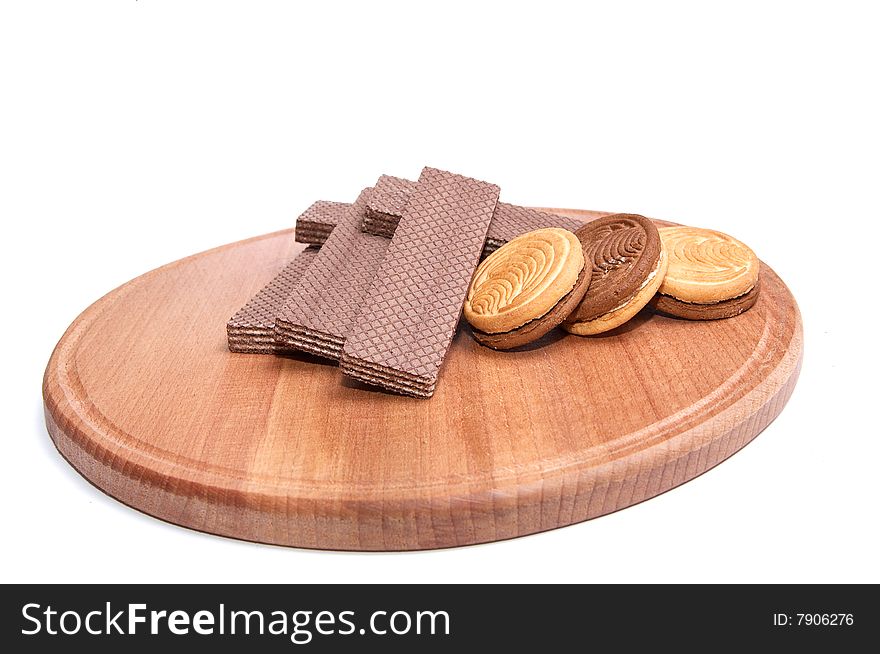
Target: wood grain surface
{"points": [[143, 398]]}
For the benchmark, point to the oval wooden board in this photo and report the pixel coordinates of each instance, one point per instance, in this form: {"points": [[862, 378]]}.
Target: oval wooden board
{"points": [[143, 398]]}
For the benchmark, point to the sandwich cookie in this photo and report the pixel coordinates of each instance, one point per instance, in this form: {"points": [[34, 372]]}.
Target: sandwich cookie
{"points": [[711, 275], [627, 262], [526, 287]]}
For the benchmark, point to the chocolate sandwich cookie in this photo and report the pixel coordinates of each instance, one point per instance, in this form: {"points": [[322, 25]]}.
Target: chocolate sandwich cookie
{"points": [[711, 275], [526, 288], [627, 263]]}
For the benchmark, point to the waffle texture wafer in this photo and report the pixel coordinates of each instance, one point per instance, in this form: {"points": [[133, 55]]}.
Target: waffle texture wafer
{"points": [[252, 328], [511, 221], [389, 199], [315, 223], [323, 306], [391, 195], [411, 311]]}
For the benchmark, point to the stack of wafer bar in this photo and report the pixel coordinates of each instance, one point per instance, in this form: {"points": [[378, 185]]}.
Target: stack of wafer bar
{"points": [[315, 223], [391, 196], [384, 292], [252, 328], [389, 199], [327, 299]]}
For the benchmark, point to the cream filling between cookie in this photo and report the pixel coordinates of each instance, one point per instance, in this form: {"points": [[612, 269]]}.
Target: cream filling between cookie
{"points": [[645, 283], [707, 304]]}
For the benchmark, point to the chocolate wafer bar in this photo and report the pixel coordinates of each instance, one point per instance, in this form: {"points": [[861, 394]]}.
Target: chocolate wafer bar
{"points": [[412, 309], [389, 199], [252, 328], [323, 306], [511, 221], [391, 195], [315, 223]]}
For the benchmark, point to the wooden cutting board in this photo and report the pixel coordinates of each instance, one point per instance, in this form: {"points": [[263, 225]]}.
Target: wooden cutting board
{"points": [[143, 398]]}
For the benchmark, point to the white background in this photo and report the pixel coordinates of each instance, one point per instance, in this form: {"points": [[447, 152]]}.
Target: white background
{"points": [[135, 133]]}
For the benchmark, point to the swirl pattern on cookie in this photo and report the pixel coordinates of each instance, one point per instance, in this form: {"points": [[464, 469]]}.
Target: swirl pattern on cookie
{"points": [[622, 250], [706, 266], [523, 280], [615, 245]]}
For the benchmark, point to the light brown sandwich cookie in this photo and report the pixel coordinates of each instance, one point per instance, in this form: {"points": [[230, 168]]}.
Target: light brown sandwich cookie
{"points": [[627, 264], [711, 275], [526, 288]]}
